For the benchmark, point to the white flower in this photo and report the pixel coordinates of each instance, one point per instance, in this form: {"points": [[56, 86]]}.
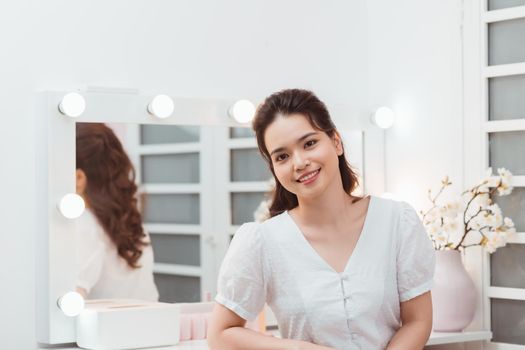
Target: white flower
{"points": [[445, 222], [451, 226], [505, 187], [511, 231], [441, 239], [508, 222], [492, 220], [473, 212], [433, 215], [271, 184], [483, 200], [493, 181], [504, 174], [433, 228], [484, 186], [490, 246], [262, 212], [476, 223], [494, 241], [485, 183], [452, 209], [494, 208]]}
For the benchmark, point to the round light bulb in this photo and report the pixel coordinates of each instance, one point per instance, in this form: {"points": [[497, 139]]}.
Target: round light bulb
{"points": [[71, 304], [242, 111], [384, 117], [161, 106], [71, 206], [73, 105]]}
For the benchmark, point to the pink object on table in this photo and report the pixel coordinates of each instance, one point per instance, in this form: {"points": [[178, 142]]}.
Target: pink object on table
{"points": [[185, 327], [207, 316], [198, 326], [453, 295]]}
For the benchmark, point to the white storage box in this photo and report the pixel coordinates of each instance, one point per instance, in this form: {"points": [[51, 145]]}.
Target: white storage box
{"points": [[127, 324]]}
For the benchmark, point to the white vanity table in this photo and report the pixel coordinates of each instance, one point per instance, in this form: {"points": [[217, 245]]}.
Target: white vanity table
{"points": [[435, 339]]}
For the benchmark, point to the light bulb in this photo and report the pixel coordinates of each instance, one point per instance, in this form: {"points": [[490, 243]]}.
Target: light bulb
{"points": [[161, 106], [71, 304], [71, 206], [73, 105], [383, 117], [242, 111]]}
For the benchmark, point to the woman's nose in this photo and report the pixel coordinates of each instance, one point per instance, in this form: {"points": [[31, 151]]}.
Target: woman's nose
{"points": [[300, 161]]}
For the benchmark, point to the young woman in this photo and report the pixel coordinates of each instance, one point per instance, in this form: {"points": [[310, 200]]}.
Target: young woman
{"points": [[338, 271], [114, 256]]}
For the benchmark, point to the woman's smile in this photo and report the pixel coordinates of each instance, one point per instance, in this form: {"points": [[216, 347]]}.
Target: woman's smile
{"points": [[309, 177]]}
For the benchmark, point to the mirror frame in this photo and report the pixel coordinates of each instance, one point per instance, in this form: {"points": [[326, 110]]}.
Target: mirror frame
{"points": [[55, 163], [55, 177]]}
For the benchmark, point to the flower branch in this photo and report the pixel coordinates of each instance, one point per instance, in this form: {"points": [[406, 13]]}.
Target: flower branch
{"points": [[451, 225]]}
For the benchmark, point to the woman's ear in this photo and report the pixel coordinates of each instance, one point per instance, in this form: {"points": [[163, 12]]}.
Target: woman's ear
{"points": [[81, 181], [338, 143]]}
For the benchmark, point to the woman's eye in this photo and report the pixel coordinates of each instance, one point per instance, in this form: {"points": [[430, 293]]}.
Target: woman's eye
{"points": [[310, 143], [281, 157]]}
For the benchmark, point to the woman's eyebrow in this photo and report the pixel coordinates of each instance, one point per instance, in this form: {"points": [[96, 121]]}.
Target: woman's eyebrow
{"points": [[298, 140]]}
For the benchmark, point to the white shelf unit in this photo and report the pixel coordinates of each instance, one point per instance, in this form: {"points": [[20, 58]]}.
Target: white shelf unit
{"points": [[479, 73]]}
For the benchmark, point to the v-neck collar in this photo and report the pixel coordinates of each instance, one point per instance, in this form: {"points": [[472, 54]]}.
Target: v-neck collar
{"points": [[354, 251]]}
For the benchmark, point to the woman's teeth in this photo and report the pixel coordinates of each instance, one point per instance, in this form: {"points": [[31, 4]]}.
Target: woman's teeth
{"points": [[309, 176]]}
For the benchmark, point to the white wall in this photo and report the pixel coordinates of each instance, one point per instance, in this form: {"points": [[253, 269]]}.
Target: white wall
{"points": [[184, 48], [415, 68], [357, 54]]}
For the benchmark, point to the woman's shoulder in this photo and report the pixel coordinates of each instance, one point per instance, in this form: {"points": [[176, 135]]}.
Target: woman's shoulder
{"points": [[397, 207], [404, 217], [261, 231], [396, 214]]}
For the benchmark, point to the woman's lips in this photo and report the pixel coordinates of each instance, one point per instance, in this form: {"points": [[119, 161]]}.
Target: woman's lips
{"points": [[310, 177]]}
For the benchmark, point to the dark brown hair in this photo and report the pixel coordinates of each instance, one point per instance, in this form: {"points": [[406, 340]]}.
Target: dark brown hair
{"points": [[296, 101], [110, 190]]}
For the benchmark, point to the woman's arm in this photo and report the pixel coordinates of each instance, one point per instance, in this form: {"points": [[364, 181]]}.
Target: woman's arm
{"points": [[226, 331], [416, 318]]}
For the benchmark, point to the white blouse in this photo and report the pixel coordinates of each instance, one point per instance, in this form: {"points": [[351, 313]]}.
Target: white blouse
{"points": [[102, 272], [272, 262]]}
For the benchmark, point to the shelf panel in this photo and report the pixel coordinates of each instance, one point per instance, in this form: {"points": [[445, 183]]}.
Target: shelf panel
{"points": [[435, 339], [458, 337]]}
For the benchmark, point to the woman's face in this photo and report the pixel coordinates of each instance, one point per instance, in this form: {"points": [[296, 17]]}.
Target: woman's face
{"points": [[305, 160]]}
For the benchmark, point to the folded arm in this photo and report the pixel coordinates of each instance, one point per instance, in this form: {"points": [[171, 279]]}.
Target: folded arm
{"points": [[226, 331]]}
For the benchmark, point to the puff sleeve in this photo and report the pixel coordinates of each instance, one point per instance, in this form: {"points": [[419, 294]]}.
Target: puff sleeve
{"points": [[241, 283], [415, 256]]}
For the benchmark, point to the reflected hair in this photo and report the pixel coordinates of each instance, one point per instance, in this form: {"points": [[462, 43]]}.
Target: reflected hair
{"points": [[111, 189], [306, 103]]}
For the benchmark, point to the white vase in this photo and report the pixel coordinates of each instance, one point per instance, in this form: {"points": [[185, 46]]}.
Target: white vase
{"points": [[453, 294]]}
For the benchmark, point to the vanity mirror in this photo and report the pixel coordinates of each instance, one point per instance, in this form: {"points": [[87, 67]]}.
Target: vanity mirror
{"points": [[199, 175]]}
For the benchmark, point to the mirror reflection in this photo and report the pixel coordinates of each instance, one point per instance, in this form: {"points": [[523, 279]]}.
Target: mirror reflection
{"points": [[113, 250], [150, 192]]}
